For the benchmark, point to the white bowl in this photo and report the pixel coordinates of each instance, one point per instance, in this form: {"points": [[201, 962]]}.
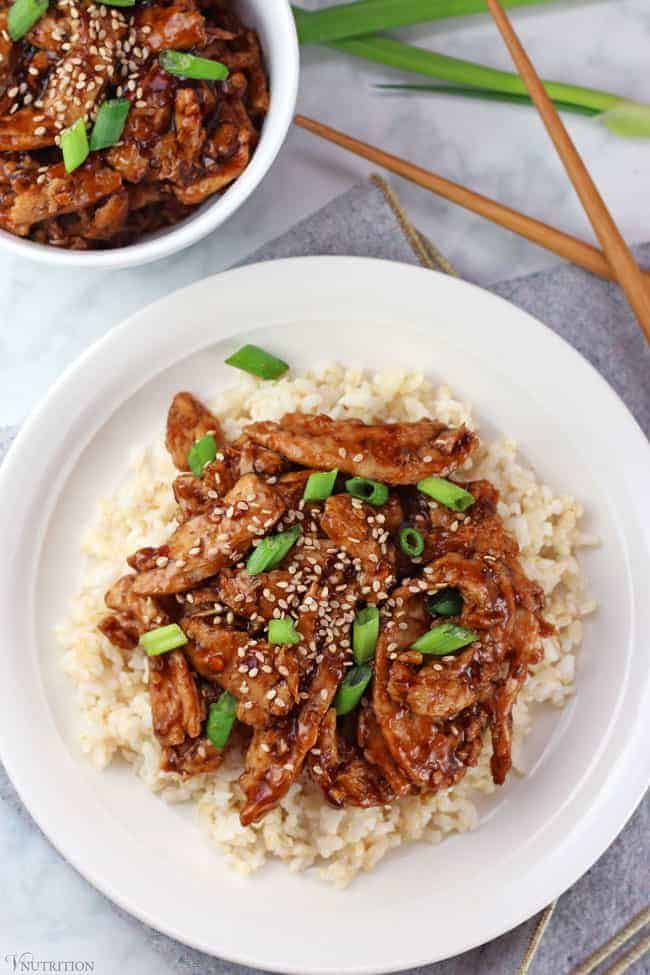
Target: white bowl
{"points": [[276, 29]]}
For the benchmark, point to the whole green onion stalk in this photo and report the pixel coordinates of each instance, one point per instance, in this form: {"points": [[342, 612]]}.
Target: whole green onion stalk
{"points": [[484, 94], [367, 16], [621, 116]]}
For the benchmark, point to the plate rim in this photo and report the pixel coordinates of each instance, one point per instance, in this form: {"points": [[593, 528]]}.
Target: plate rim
{"points": [[77, 369]]}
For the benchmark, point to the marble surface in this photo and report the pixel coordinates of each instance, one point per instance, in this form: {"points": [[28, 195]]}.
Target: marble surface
{"points": [[52, 913], [93, 929], [49, 317]]}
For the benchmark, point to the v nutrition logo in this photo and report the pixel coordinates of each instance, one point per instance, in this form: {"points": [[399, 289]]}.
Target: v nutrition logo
{"points": [[25, 961]]}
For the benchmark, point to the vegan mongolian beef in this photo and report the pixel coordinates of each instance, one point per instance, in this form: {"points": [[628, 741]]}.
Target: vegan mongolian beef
{"points": [[118, 119], [332, 602]]}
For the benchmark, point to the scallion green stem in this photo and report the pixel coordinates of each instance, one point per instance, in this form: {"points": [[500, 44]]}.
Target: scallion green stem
{"points": [[162, 640], [405, 57], [365, 633], [190, 66], [201, 452], [22, 16], [368, 16], [320, 485], [271, 550], [443, 639], [282, 632], [221, 719], [350, 28], [446, 602], [411, 542], [74, 145], [485, 94], [352, 687], [109, 123], [258, 362], [446, 492], [366, 490]]}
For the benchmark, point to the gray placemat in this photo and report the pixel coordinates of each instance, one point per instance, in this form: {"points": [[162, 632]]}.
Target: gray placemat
{"points": [[590, 314], [594, 318]]}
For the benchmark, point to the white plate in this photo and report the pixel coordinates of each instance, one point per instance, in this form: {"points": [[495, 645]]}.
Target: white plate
{"points": [[590, 762]]}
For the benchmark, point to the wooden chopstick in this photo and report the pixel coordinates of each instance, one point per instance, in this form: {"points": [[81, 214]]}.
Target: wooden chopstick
{"points": [[617, 252], [564, 245]]}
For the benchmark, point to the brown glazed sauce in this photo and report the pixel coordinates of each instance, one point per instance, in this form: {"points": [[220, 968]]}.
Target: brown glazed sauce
{"points": [[184, 140]]}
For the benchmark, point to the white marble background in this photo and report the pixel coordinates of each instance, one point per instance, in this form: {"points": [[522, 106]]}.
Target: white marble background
{"points": [[48, 316]]}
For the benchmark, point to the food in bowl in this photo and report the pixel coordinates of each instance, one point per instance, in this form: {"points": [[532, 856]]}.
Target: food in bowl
{"points": [[117, 121], [332, 632]]}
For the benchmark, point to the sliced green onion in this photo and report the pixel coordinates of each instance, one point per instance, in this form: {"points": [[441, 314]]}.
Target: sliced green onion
{"points": [[162, 640], [221, 718], [446, 602], [252, 359], [74, 145], [118, 3], [446, 492], [189, 66], [201, 452], [271, 550], [411, 542], [443, 639], [283, 631], [371, 491], [109, 123], [351, 690], [22, 16], [319, 486], [365, 631]]}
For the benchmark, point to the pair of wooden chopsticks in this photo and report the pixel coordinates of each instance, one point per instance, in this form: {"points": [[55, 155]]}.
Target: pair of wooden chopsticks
{"points": [[615, 262]]}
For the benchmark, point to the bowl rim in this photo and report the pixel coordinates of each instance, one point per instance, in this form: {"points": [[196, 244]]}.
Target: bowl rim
{"points": [[284, 86]]}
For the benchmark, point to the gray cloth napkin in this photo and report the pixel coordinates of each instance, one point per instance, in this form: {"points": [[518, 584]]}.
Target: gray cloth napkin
{"points": [[594, 318]]}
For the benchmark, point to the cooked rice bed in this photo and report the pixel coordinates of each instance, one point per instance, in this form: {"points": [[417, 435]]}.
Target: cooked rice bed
{"points": [[304, 830]]}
